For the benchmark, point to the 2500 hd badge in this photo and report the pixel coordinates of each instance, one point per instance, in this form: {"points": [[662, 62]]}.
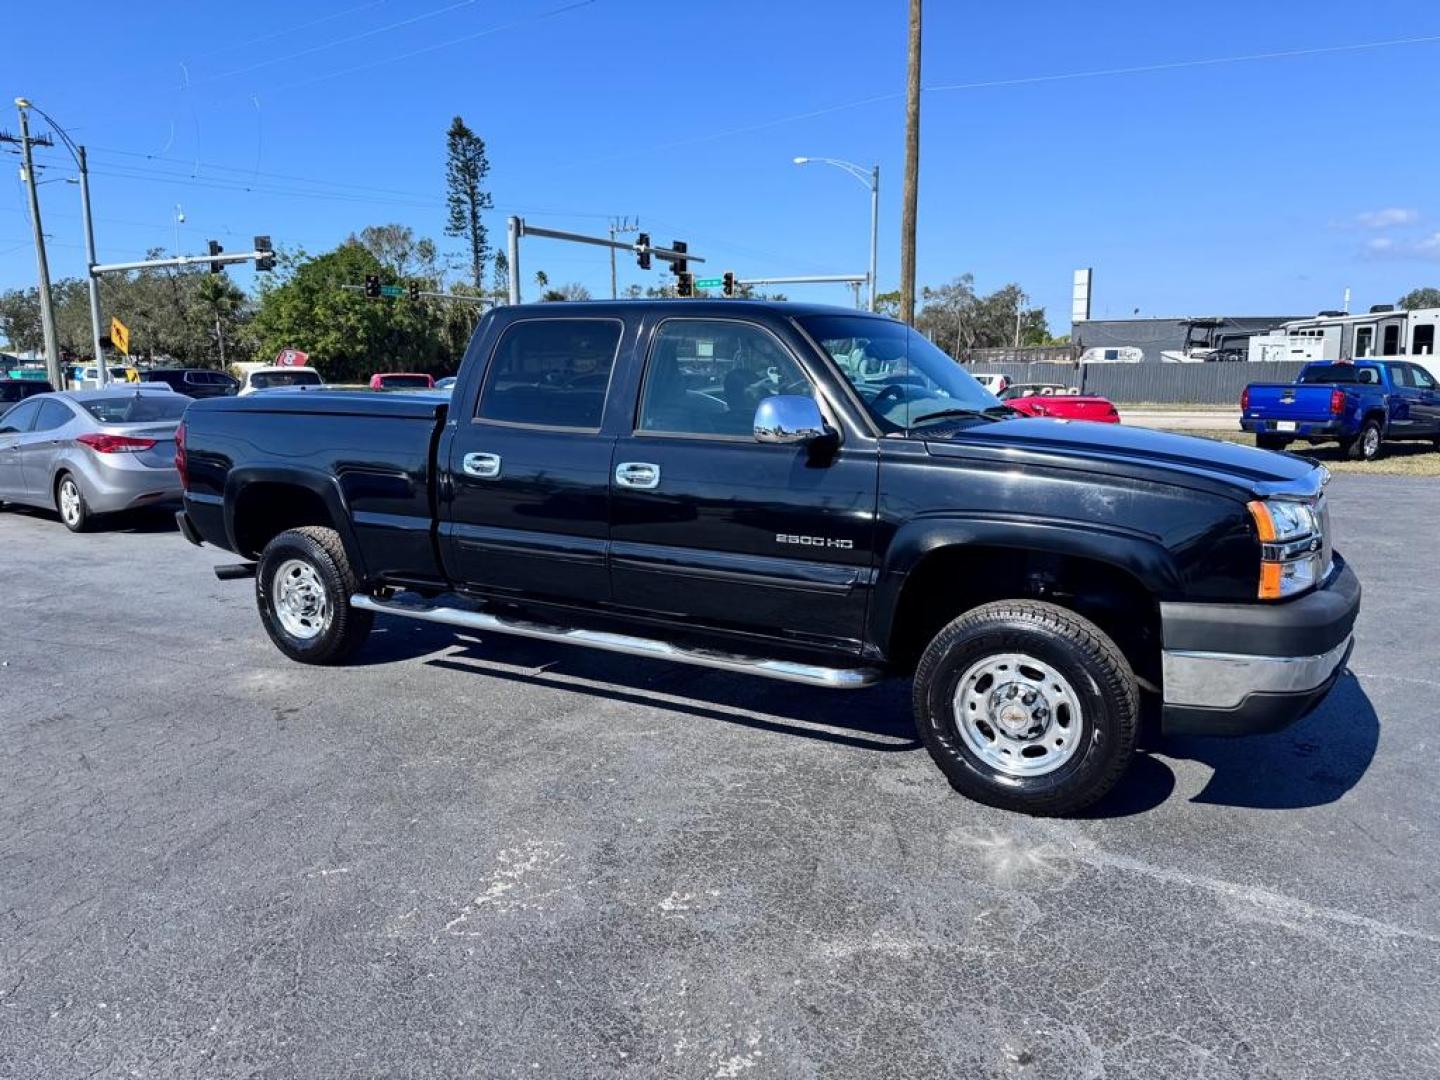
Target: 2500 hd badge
{"points": [[671, 479], [814, 541]]}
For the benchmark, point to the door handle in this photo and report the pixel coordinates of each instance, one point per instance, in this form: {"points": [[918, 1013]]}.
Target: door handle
{"points": [[637, 474], [485, 466]]}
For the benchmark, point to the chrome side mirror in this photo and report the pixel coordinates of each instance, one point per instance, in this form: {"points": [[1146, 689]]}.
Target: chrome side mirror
{"points": [[789, 419]]}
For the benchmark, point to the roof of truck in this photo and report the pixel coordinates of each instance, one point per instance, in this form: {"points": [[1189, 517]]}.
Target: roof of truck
{"points": [[703, 305]]}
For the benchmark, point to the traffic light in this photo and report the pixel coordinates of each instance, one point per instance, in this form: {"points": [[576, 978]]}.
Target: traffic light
{"points": [[727, 283], [684, 283], [642, 250], [372, 286], [216, 249], [267, 259], [680, 265], [414, 290]]}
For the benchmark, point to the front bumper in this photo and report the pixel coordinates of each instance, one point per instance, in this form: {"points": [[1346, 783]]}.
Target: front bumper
{"points": [[1245, 669]]}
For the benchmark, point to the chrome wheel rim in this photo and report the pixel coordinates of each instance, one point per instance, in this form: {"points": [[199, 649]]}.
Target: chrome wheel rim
{"points": [[1372, 441], [1018, 715], [300, 601], [69, 502]]}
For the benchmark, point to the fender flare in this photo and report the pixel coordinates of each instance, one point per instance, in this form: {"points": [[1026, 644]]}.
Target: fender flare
{"points": [[1138, 555], [323, 485]]}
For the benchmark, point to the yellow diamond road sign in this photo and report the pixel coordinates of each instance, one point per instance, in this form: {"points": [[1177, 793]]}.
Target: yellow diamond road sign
{"points": [[120, 335]]}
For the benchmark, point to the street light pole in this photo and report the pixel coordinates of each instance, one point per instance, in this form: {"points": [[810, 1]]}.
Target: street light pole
{"points": [[870, 178], [54, 368], [874, 227], [102, 370]]}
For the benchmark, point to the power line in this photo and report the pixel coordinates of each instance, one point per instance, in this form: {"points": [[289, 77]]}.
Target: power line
{"points": [[346, 40], [1176, 65], [826, 110], [272, 35], [521, 21]]}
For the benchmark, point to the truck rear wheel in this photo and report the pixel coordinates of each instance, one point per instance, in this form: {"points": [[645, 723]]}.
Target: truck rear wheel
{"points": [[1027, 706], [303, 587], [1366, 445]]}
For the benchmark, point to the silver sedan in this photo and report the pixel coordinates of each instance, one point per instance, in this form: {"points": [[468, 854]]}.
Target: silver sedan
{"points": [[89, 452]]}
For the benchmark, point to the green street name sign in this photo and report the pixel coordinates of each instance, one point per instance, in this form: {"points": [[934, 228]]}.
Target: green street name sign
{"points": [[392, 290], [709, 283]]}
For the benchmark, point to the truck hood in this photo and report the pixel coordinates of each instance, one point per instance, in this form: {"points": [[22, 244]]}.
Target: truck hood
{"points": [[1119, 448]]}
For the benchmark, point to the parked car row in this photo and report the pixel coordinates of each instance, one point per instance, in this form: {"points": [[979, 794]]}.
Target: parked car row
{"points": [[91, 452]]}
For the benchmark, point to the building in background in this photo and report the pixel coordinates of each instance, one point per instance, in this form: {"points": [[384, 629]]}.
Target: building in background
{"points": [[1176, 339]]}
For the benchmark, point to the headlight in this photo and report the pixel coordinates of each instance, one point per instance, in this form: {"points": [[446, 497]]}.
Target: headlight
{"points": [[1293, 549]]}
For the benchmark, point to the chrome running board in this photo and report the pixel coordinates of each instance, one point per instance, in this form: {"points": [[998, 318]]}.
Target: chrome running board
{"points": [[786, 670]]}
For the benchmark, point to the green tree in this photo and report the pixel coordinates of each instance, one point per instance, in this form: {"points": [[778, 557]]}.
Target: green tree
{"points": [[1416, 299], [466, 167], [500, 278], [348, 336], [217, 302], [888, 303]]}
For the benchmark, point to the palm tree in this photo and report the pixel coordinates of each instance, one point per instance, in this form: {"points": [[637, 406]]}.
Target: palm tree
{"points": [[220, 299]]}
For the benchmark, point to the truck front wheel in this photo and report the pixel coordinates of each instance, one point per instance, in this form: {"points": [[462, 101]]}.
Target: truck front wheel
{"points": [[1027, 706], [303, 587]]}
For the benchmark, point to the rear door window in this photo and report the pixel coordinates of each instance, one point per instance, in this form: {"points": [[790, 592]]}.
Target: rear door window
{"points": [[52, 415], [551, 373]]}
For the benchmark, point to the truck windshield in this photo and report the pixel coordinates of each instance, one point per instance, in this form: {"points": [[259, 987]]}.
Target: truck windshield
{"points": [[1331, 373], [905, 382]]}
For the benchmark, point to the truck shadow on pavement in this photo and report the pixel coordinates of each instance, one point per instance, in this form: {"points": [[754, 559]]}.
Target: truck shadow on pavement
{"points": [[1312, 763], [877, 718]]}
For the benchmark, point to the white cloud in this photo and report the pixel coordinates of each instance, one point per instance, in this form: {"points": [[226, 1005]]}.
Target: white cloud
{"points": [[1387, 218], [1386, 247]]}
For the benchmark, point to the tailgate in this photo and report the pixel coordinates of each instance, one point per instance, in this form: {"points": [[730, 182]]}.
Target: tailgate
{"points": [[1278, 401]]}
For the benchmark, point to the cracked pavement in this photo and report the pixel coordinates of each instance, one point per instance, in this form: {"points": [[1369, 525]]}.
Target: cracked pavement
{"points": [[492, 858]]}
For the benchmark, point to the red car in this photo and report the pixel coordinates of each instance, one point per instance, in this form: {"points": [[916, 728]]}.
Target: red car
{"points": [[1052, 399], [402, 380]]}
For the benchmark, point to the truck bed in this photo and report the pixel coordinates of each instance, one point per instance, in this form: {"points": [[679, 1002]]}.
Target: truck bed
{"points": [[383, 484]]}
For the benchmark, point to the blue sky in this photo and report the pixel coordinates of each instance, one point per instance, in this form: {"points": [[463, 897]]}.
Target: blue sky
{"points": [[1263, 186]]}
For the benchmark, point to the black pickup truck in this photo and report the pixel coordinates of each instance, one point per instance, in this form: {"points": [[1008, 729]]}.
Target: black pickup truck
{"points": [[802, 493]]}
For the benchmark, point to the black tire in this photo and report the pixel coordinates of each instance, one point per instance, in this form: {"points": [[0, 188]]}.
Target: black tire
{"points": [[1271, 442], [340, 629], [1097, 672], [76, 515], [1367, 445]]}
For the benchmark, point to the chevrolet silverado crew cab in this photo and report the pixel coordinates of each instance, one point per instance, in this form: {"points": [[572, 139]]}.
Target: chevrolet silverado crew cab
{"points": [[801, 493]]}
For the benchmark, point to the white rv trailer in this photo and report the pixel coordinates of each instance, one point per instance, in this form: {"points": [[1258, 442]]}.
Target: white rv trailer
{"points": [[1335, 336]]}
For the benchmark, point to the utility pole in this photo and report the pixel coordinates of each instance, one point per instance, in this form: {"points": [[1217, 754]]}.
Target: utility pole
{"points": [[912, 170], [54, 368], [618, 227], [1019, 306]]}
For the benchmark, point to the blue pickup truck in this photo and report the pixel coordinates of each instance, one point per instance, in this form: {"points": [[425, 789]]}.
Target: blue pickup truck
{"points": [[1362, 405]]}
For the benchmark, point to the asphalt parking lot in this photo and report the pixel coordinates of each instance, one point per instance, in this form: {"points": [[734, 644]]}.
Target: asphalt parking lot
{"points": [[497, 858]]}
